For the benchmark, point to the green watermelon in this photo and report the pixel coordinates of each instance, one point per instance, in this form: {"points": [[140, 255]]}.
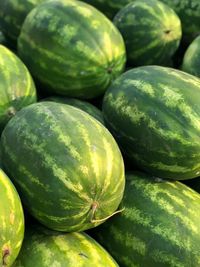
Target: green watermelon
{"points": [[154, 114], [17, 89], [151, 31], [191, 60], [45, 248], [71, 48], [189, 13], [83, 105], [65, 164], [159, 226], [11, 222], [12, 15], [109, 7]]}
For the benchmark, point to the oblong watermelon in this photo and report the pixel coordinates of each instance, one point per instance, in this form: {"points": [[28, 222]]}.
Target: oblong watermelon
{"points": [[191, 59], [45, 248], [154, 114], [11, 222], [83, 105], [12, 15], [189, 13], [66, 165], [158, 227], [151, 31], [71, 48], [17, 88]]}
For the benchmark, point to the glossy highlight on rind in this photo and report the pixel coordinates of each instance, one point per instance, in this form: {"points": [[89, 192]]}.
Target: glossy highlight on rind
{"points": [[83, 105], [158, 227], [151, 31], [11, 222], [153, 112], [17, 88], [66, 165], [71, 48], [45, 248]]}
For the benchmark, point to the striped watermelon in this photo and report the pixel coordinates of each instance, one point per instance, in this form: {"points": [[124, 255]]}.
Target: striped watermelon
{"points": [[159, 226], [83, 105], [11, 222], [17, 89], [191, 60], [65, 164], [189, 13], [45, 248], [151, 30], [154, 114], [109, 7], [84, 49], [12, 15]]}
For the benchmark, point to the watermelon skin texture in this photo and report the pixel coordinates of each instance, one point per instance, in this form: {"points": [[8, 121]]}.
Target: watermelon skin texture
{"points": [[17, 88], [81, 104], [11, 223], [191, 59], [12, 16], [84, 49], [65, 164], [151, 31], [159, 226], [47, 248], [153, 112], [109, 8], [189, 13]]}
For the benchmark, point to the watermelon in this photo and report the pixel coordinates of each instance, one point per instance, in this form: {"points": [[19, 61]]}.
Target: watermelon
{"points": [[17, 88], [151, 31], [12, 15], [109, 7], [84, 49], [65, 164], [189, 13], [191, 60], [83, 105], [11, 223], [154, 114], [44, 248], [158, 227]]}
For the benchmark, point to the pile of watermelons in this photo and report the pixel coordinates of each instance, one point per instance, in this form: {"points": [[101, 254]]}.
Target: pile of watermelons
{"points": [[99, 119]]}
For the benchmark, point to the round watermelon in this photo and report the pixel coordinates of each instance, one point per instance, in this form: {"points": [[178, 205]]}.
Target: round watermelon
{"points": [[12, 15], [71, 48], [191, 60], [66, 166], [17, 89], [45, 248], [83, 105], [159, 226], [11, 223], [151, 31], [154, 114]]}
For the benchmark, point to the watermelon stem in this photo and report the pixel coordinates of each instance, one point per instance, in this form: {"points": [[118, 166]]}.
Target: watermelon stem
{"points": [[101, 220], [11, 112], [6, 253], [167, 31]]}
